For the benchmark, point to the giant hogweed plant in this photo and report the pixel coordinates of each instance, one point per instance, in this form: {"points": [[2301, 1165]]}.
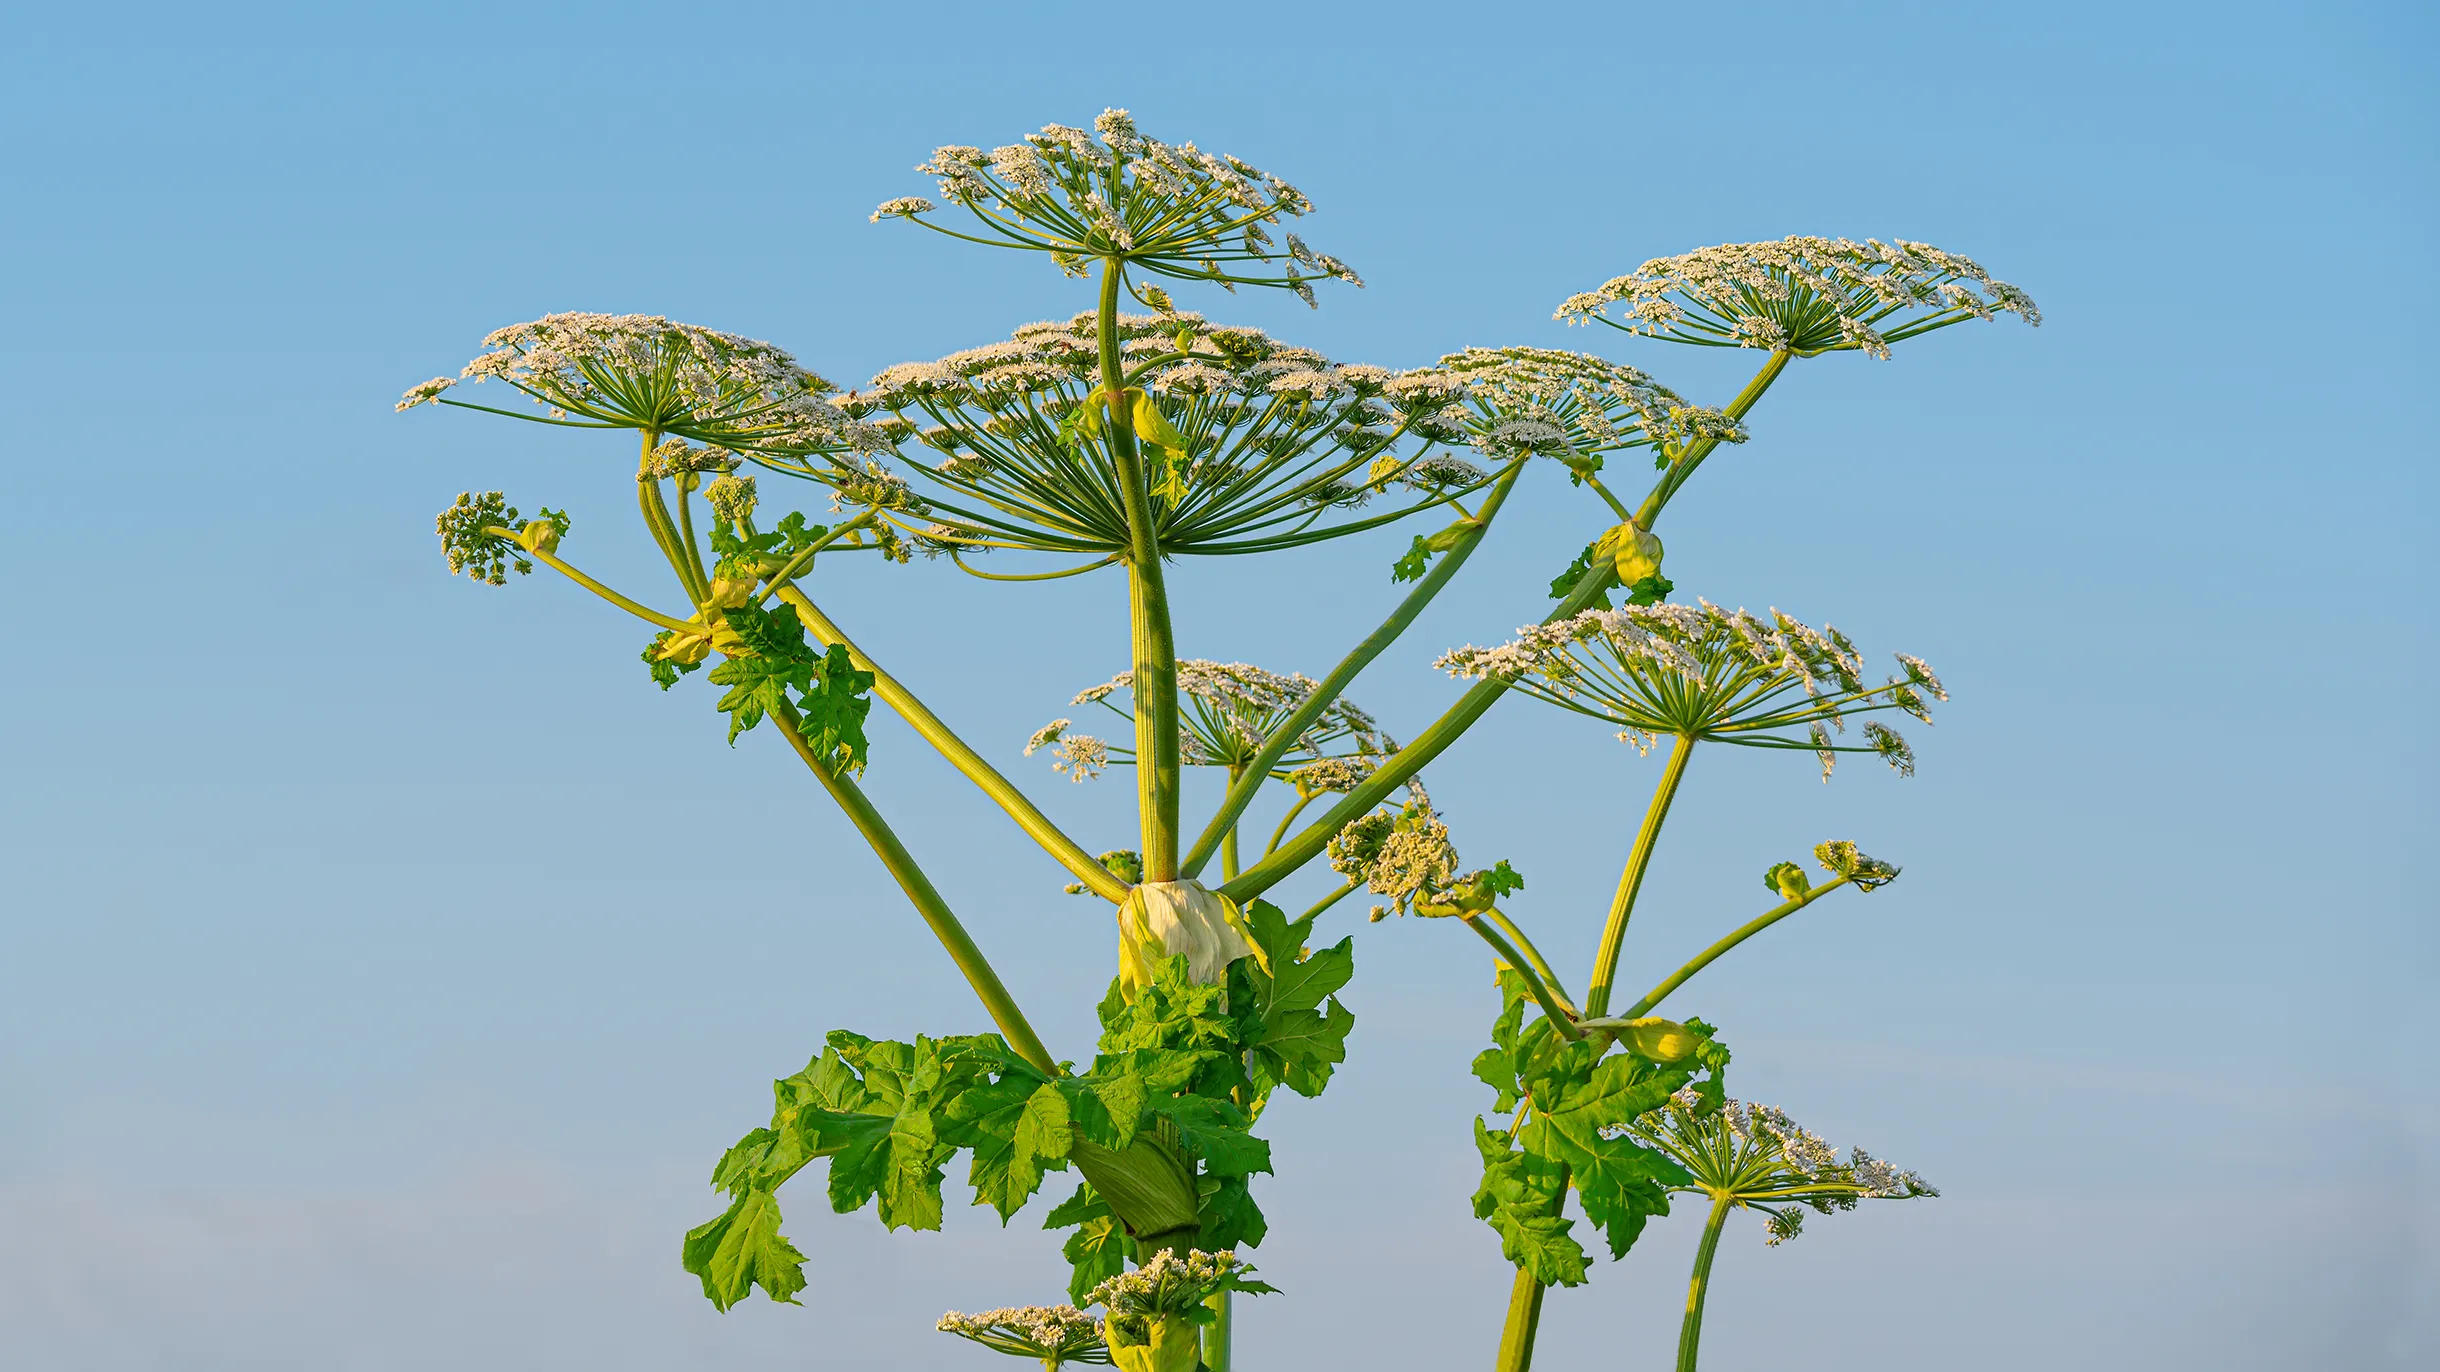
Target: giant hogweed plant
{"points": [[1123, 439]]}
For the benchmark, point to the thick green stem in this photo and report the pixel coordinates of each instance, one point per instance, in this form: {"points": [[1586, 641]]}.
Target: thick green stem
{"points": [[1404, 763], [664, 532], [925, 897], [1690, 1333], [1631, 881], [1228, 855], [1241, 794], [1524, 1318], [1743, 932], [1218, 1335], [1154, 686], [1095, 877], [1682, 469]]}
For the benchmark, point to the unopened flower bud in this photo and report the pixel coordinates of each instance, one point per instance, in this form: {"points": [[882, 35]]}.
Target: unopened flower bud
{"points": [[731, 594], [539, 536], [1635, 552], [1788, 879], [1160, 920]]}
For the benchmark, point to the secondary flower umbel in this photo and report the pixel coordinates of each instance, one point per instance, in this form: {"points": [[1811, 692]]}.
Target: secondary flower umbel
{"points": [[640, 371], [1805, 295], [1113, 194], [1703, 673], [1053, 1334], [1227, 710]]}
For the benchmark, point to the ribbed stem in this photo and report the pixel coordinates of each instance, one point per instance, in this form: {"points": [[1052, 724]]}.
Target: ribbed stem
{"points": [[1154, 686], [1524, 1318], [1218, 1335], [925, 897], [1682, 470], [1631, 881], [1690, 1333]]}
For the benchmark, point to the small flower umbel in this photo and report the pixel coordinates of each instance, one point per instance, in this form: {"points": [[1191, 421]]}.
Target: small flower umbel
{"points": [[639, 371], [1746, 1156], [1248, 444], [1157, 1311], [1229, 709], [1055, 1335], [1164, 209], [1800, 295], [1576, 407], [1704, 674]]}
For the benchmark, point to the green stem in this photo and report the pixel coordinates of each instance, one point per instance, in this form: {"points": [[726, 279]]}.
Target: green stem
{"points": [[1705, 958], [1560, 1020], [1096, 878], [643, 612], [1284, 737], [686, 529], [1228, 863], [1154, 686], [1631, 881], [1284, 821], [1540, 964], [1332, 899], [925, 897], [1693, 457], [798, 565], [1218, 1335], [1404, 763], [1524, 1318], [1691, 1332]]}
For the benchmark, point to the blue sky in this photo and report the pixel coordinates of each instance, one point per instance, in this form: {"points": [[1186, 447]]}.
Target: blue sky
{"points": [[364, 998]]}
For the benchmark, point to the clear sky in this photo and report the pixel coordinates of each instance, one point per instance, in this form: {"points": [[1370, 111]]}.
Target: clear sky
{"points": [[383, 962]]}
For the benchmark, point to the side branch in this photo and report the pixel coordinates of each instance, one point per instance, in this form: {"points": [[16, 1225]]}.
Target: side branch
{"points": [[1404, 763], [925, 897], [1241, 794], [1036, 824], [1709, 955]]}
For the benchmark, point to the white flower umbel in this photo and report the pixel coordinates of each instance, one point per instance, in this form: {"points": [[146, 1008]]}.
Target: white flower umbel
{"points": [[1162, 209], [1752, 1156], [1054, 1335], [1250, 444], [1227, 710], [1703, 673], [1803, 295], [1745, 1156], [639, 371], [1574, 406]]}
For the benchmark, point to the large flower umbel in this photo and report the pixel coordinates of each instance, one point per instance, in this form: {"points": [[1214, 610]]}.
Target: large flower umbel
{"points": [[1227, 710], [1803, 295], [1250, 444], [1166, 209], [640, 371], [1707, 674]]}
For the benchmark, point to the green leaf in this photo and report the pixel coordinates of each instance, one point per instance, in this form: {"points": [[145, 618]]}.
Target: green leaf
{"points": [[1650, 590], [1229, 1216], [1098, 1250], [1520, 1199], [1215, 1131], [743, 1249], [1416, 561]]}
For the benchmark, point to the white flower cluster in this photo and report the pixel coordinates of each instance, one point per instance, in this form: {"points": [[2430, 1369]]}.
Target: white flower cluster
{"points": [[1544, 400], [1229, 709], [637, 371], [1806, 295], [1705, 672], [1052, 1333], [1757, 1156], [1171, 209], [1399, 854], [1170, 1284]]}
